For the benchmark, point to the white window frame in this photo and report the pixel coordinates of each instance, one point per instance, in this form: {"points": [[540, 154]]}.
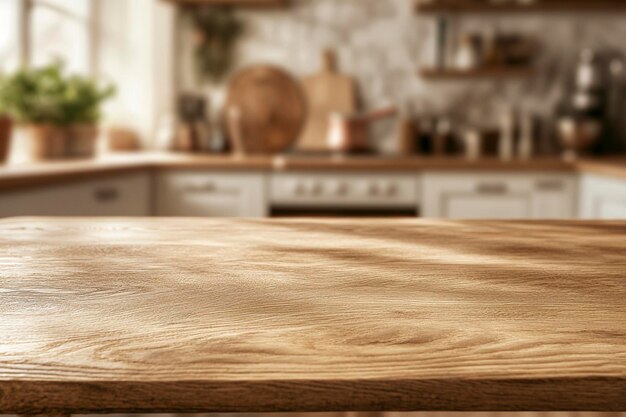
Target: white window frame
{"points": [[24, 32]]}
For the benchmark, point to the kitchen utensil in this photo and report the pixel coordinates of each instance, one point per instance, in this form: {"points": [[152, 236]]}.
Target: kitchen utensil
{"points": [[442, 137], [616, 103], [526, 145], [327, 92], [350, 133], [473, 144], [467, 55], [272, 106], [233, 119], [165, 135], [507, 136], [191, 131], [187, 138], [407, 136], [578, 135], [589, 74]]}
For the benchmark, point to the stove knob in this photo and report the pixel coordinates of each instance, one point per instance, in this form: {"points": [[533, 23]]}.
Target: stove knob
{"points": [[392, 190], [299, 189], [342, 189], [374, 190], [318, 189]]}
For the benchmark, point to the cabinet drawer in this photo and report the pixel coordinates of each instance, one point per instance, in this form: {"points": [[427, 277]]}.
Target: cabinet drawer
{"points": [[498, 196], [127, 195], [474, 206], [200, 194]]}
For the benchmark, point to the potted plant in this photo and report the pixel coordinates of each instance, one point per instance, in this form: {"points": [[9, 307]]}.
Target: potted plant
{"points": [[5, 137], [60, 112], [5, 133]]}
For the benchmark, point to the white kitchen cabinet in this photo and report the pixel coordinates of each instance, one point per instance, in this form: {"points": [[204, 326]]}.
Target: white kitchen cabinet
{"points": [[602, 198], [120, 195], [499, 196], [205, 194]]}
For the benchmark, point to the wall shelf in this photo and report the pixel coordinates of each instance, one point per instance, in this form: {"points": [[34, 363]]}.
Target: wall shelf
{"points": [[252, 4], [540, 6], [488, 72]]}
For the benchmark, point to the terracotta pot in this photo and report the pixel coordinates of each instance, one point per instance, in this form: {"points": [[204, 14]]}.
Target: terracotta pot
{"points": [[81, 141], [46, 141], [5, 137], [57, 142]]}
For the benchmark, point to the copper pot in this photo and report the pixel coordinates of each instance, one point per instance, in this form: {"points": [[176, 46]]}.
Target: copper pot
{"points": [[46, 141], [351, 133], [6, 126]]}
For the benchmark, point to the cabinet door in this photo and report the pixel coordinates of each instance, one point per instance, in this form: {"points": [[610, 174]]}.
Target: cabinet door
{"points": [[200, 194], [476, 196], [498, 196], [555, 197], [127, 195], [603, 198]]}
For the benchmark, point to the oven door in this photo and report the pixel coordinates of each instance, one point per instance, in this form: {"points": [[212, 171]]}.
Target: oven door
{"points": [[341, 194]]}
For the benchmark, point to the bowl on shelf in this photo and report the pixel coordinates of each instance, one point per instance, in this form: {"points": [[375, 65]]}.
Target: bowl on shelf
{"points": [[578, 135]]}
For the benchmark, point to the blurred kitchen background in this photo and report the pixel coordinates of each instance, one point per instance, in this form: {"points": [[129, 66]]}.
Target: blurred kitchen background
{"points": [[259, 108]]}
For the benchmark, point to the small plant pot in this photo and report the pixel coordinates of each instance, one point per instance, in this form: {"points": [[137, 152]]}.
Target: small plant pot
{"points": [[6, 128], [46, 141], [81, 141]]}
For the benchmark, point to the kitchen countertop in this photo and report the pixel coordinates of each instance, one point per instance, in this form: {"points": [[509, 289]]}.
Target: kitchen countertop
{"points": [[182, 315], [14, 176]]}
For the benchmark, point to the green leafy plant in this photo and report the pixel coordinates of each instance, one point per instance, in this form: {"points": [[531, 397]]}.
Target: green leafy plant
{"points": [[48, 96], [216, 31]]}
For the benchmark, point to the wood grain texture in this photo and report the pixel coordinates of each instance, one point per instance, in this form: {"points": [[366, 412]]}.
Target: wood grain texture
{"points": [[610, 167], [254, 4], [327, 92], [19, 176], [42, 174], [417, 163], [549, 6], [178, 315]]}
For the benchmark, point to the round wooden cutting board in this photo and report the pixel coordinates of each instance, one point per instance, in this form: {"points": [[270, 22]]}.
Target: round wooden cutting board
{"points": [[272, 108]]}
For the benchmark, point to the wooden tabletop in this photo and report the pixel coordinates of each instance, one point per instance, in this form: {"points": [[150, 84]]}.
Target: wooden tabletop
{"points": [[181, 315]]}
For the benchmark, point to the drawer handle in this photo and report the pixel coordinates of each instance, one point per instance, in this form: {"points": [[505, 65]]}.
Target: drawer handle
{"points": [[492, 189], [107, 195], [550, 185], [211, 188], [202, 188]]}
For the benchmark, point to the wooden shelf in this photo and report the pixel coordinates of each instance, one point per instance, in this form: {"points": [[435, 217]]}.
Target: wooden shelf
{"points": [[540, 6], [491, 72], [256, 4]]}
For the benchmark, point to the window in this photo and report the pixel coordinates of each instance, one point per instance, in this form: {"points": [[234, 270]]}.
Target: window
{"points": [[10, 49], [43, 30]]}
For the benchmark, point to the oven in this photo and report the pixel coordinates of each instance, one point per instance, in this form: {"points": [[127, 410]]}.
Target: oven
{"points": [[344, 194]]}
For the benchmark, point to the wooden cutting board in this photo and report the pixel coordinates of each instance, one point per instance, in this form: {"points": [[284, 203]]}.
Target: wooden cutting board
{"points": [[327, 92], [271, 107]]}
